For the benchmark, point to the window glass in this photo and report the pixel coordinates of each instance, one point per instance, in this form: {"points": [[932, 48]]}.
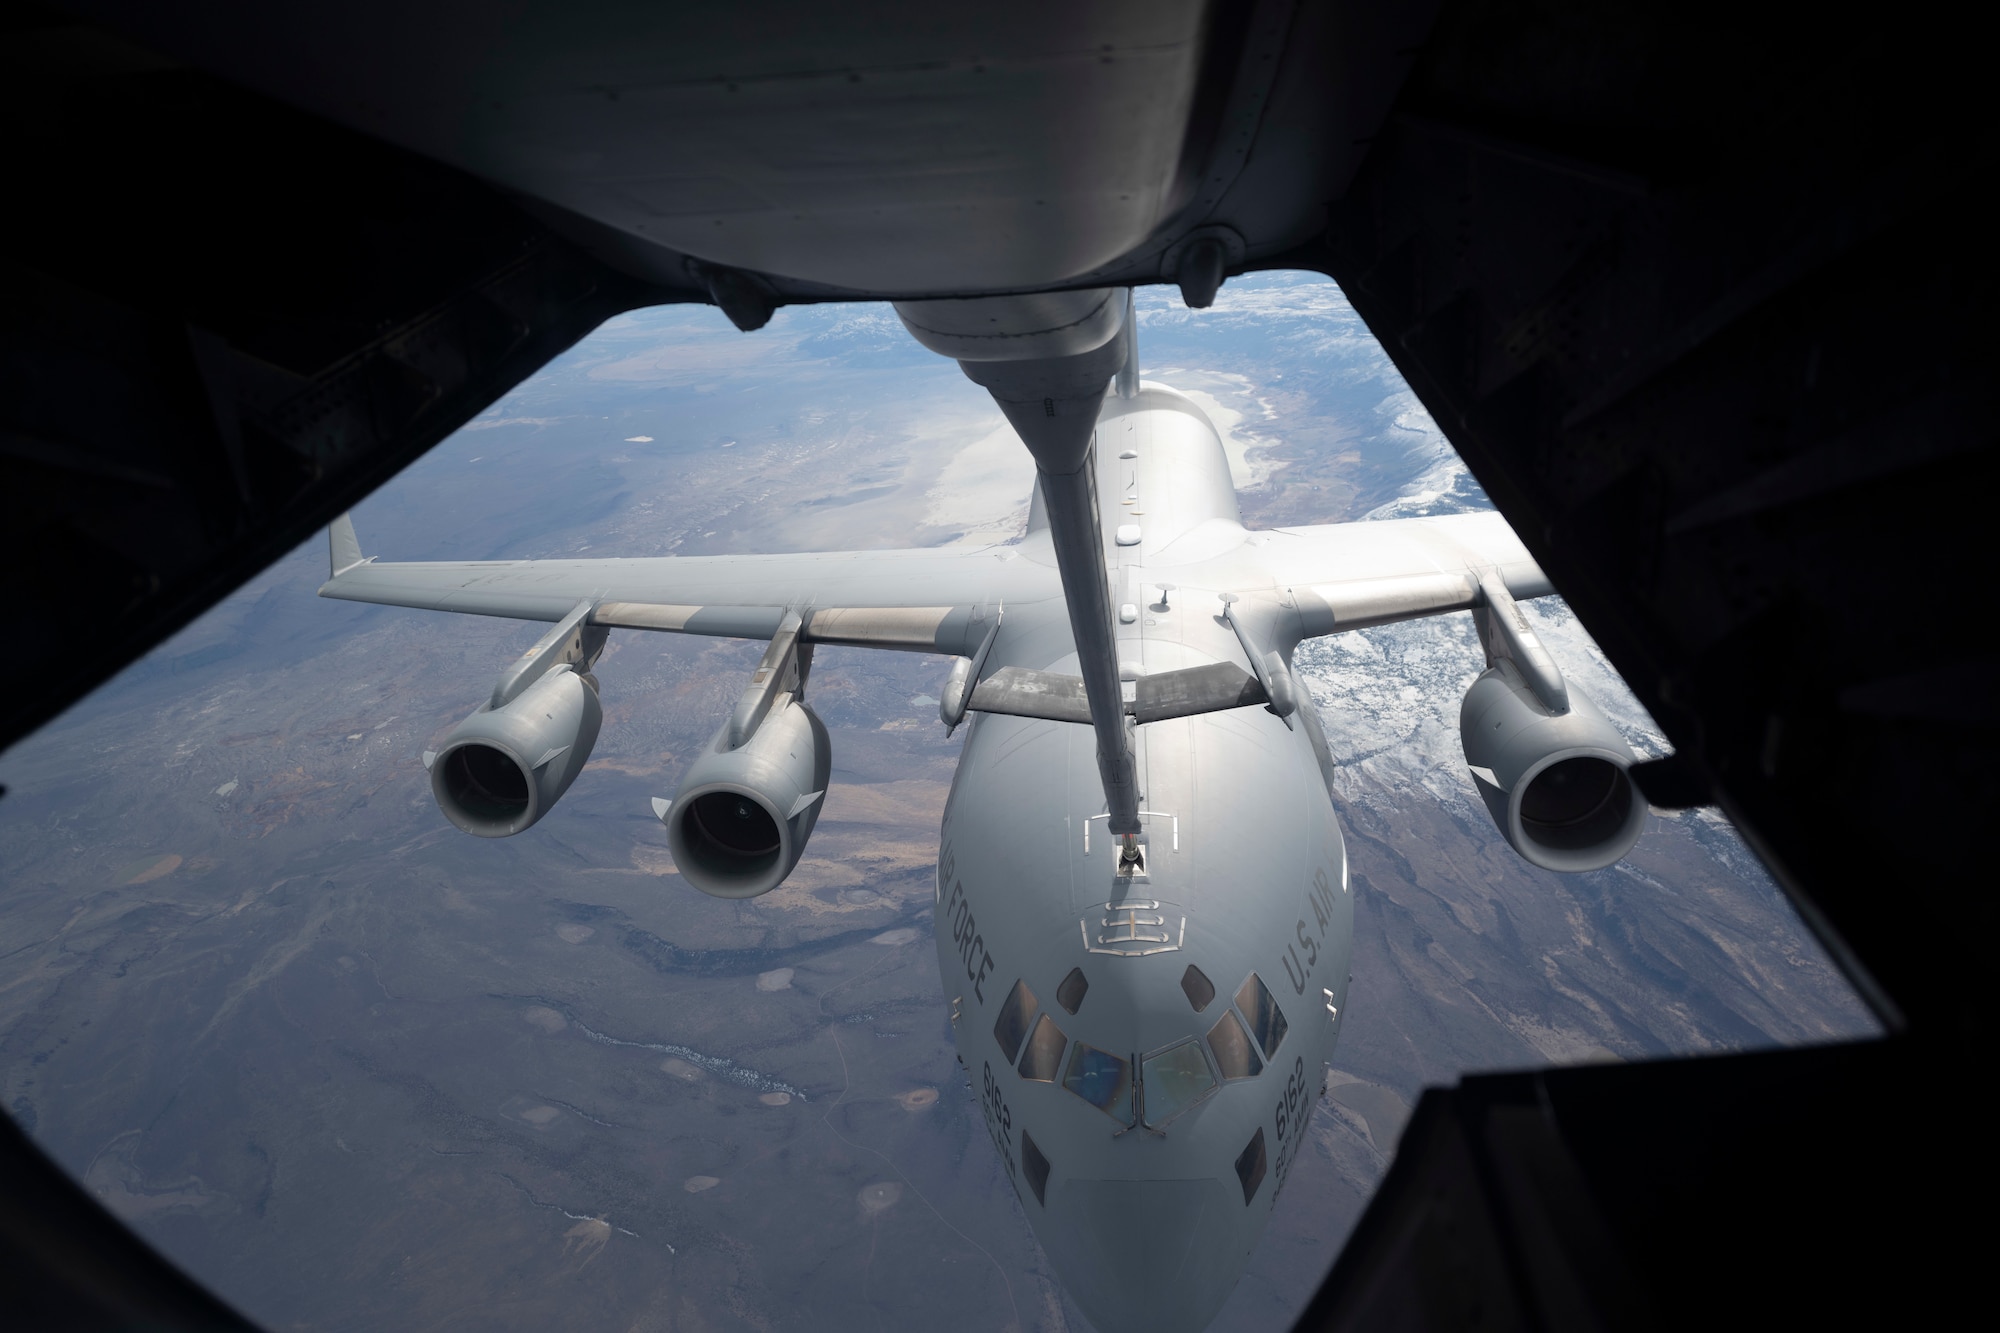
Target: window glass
{"points": [[1070, 994], [1012, 1025], [1035, 1167], [1043, 1057], [1102, 1079], [1198, 988], [1260, 1011], [1235, 1056], [1175, 1079], [1250, 1166]]}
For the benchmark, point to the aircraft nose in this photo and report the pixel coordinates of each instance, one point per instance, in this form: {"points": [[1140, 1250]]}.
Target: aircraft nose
{"points": [[1154, 1255]]}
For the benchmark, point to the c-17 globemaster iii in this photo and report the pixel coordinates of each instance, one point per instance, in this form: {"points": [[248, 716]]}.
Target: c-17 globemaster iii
{"points": [[1144, 918]]}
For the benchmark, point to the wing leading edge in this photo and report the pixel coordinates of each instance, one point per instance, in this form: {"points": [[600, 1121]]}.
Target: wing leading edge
{"points": [[1357, 575], [923, 600], [1342, 576]]}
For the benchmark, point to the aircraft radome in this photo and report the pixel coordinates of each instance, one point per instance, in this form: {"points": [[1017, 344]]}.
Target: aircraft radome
{"points": [[1144, 920]]}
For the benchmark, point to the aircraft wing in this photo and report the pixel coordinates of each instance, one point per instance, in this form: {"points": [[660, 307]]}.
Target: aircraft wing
{"points": [[1339, 577], [923, 600], [1375, 573]]}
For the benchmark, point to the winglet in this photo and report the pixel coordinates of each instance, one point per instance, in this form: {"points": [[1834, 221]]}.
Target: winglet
{"points": [[344, 548]]}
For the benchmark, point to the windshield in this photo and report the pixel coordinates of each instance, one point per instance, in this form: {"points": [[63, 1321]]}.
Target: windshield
{"points": [[1175, 1079], [1102, 1079], [1261, 1012]]}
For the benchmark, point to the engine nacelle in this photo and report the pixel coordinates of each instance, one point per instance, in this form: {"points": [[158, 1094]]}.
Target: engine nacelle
{"points": [[503, 768], [741, 817], [1556, 783]]}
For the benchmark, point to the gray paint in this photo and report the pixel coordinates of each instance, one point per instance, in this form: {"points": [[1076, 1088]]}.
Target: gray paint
{"points": [[571, 640], [545, 732], [1017, 145], [1244, 868], [1512, 739], [1045, 360], [782, 767], [1505, 632]]}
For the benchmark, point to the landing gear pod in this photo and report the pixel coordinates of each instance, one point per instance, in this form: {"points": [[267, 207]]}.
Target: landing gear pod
{"points": [[1555, 783], [503, 768], [742, 816]]}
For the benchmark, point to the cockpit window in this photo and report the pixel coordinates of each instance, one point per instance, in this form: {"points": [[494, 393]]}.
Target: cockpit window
{"points": [[1235, 1056], [1260, 1011], [1070, 994], [1102, 1079], [1044, 1054], [1197, 987], [1250, 1166], [1012, 1025], [1035, 1167], [1174, 1080]]}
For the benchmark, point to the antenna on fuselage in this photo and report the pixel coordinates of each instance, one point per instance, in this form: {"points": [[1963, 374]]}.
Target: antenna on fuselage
{"points": [[1128, 370]]}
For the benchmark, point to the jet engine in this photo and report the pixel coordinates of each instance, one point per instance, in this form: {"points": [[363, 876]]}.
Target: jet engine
{"points": [[502, 769], [1555, 782], [742, 815], [749, 801]]}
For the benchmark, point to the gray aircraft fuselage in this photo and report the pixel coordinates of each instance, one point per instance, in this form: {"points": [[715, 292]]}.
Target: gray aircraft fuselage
{"points": [[1217, 976], [1145, 951]]}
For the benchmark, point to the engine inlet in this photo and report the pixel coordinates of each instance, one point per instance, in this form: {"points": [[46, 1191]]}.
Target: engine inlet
{"points": [[733, 825], [1576, 803], [485, 784]]}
